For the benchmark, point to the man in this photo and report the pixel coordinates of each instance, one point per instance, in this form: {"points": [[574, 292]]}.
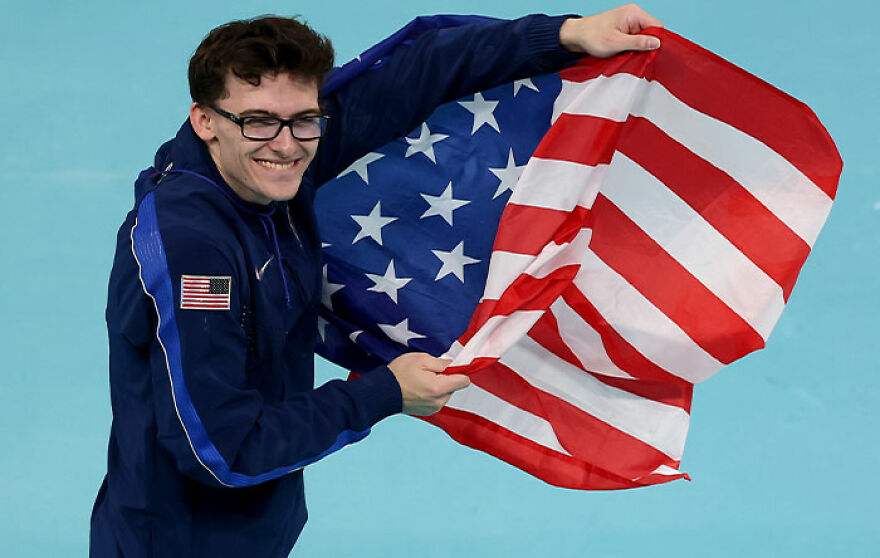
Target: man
{"points": [[213, 297]]}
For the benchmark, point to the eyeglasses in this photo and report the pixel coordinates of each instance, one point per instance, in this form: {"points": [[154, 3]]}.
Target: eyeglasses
{"points": [[267, 128]]}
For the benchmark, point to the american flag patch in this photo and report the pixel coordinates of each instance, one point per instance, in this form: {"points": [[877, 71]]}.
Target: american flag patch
{"points": [[203, 292]]}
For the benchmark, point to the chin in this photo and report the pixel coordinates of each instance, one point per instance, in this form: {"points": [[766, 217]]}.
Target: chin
{"points": [[284, 194]]}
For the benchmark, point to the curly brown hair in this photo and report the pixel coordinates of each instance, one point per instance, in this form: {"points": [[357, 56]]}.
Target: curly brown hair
{"points": [[252, 48]]}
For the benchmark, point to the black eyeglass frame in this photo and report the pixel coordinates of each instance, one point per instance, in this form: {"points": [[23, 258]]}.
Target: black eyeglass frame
{"points": [[242, 120]]}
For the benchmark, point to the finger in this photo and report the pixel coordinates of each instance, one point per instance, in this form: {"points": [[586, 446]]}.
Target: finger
{"points": [[453, 382], [639, 19], [434, 364], [647, 20]]}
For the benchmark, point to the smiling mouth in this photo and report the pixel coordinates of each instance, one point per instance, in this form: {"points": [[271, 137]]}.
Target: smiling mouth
{"points": [[275, 166]]}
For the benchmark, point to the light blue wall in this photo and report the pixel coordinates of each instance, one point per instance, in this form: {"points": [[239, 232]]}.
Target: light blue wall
{"points": [[783, 445]]}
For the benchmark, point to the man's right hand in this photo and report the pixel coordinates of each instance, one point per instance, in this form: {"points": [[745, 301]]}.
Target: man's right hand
{"points": [[609, 33], [425, 390]]}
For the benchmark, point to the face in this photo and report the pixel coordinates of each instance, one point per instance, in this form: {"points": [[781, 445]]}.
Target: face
{"points": [[259, 171]]}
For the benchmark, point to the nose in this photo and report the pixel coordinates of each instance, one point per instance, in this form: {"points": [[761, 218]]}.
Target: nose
{"points": [[284, 143]]}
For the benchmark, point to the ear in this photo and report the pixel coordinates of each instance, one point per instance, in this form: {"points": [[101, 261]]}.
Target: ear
{"points": [[202, 123]]}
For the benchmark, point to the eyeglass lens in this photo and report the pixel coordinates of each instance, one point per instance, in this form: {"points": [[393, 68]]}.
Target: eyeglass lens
{"points": [[308, 127]]}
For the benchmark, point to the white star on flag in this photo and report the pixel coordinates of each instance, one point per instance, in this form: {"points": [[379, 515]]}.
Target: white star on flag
{"points": [[360, 166], [328, 290], [508, 175], [400, 332], [483, 112], [453, 262], [371, 225], [388, 283], [424, 143], [520, 83], [442, 205]]}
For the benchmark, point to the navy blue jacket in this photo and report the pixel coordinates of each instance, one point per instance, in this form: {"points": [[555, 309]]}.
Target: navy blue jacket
{"points": [[214, 410]]}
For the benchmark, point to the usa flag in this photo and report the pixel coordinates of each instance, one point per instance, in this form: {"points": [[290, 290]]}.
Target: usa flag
{"points": [[586, 246]]}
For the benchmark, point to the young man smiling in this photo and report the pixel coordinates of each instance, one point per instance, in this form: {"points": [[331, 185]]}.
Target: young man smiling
{"points": [[262, 171], [216, 282]]}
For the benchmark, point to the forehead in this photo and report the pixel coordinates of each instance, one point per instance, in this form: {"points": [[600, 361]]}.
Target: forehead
{"points": [[282, 94]]}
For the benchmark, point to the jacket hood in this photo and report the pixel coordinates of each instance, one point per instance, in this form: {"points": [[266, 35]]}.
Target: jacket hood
{"points": [[187, 153]]}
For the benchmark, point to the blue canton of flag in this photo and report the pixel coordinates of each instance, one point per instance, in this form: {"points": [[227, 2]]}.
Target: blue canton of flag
{"points": [[409, 228]]}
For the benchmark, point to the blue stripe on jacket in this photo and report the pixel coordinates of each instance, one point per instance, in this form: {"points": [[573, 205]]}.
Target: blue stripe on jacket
{"points": [[149, 253]]}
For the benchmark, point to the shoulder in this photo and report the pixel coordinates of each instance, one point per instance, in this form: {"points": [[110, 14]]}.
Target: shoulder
{"points": [[187, 210], [185, 221]]}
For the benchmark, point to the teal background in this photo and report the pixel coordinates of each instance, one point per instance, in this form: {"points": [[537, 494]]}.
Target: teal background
{"points": [[783, 444]]}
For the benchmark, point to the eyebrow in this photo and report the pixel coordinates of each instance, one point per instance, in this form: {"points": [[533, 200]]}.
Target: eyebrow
{"points": [[261, 112]]}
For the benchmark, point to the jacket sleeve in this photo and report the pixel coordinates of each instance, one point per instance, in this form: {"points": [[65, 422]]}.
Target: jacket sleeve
{"points": [[209, 411], [393, 97]]}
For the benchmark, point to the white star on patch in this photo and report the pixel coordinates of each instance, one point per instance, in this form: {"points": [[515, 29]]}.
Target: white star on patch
{"points": [[371, 225], [520, 83], [360, 166], [508, 175], [328, 289], [483, 112], [388, 283], [453, 262], [400, 332], [442, 205], [424, 143]]}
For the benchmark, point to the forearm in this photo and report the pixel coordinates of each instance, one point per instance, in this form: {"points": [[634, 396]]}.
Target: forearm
{"points": [[233, 437]]}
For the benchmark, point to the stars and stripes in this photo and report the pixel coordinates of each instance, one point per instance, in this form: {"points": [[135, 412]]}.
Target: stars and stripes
{"points": [[204, 292], [654, 236]]}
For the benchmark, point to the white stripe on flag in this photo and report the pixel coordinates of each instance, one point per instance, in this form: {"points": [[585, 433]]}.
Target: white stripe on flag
{"points": [[584, 341], [775, 182], [480, 402], [665, 470], [695, 244], [554, 184], [661, 426], [496, 336], [505, 267], [605, 97], [642, 324]]}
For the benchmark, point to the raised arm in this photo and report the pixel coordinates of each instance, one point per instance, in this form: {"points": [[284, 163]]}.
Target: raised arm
{"points": [[445, 62]]}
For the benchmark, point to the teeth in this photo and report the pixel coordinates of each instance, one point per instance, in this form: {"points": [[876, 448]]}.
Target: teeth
{"points": [[277, 166]]}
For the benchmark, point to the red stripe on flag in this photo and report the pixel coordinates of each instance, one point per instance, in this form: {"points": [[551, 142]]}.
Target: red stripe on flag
{"points": [[719, 89], [726, 205], [550, 466], [580, 433], [624, 247], [578, 138], [543, 226], [627, 357], [544, 463], [546, 333], [524, 294], [672, 390]]}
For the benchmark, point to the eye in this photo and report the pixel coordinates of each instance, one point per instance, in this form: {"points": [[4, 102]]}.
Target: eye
{"points": [[261, 122], [309, 122]]}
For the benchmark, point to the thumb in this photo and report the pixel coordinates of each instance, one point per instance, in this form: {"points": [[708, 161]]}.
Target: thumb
{"points": [[640, 42], [453, 382]]}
